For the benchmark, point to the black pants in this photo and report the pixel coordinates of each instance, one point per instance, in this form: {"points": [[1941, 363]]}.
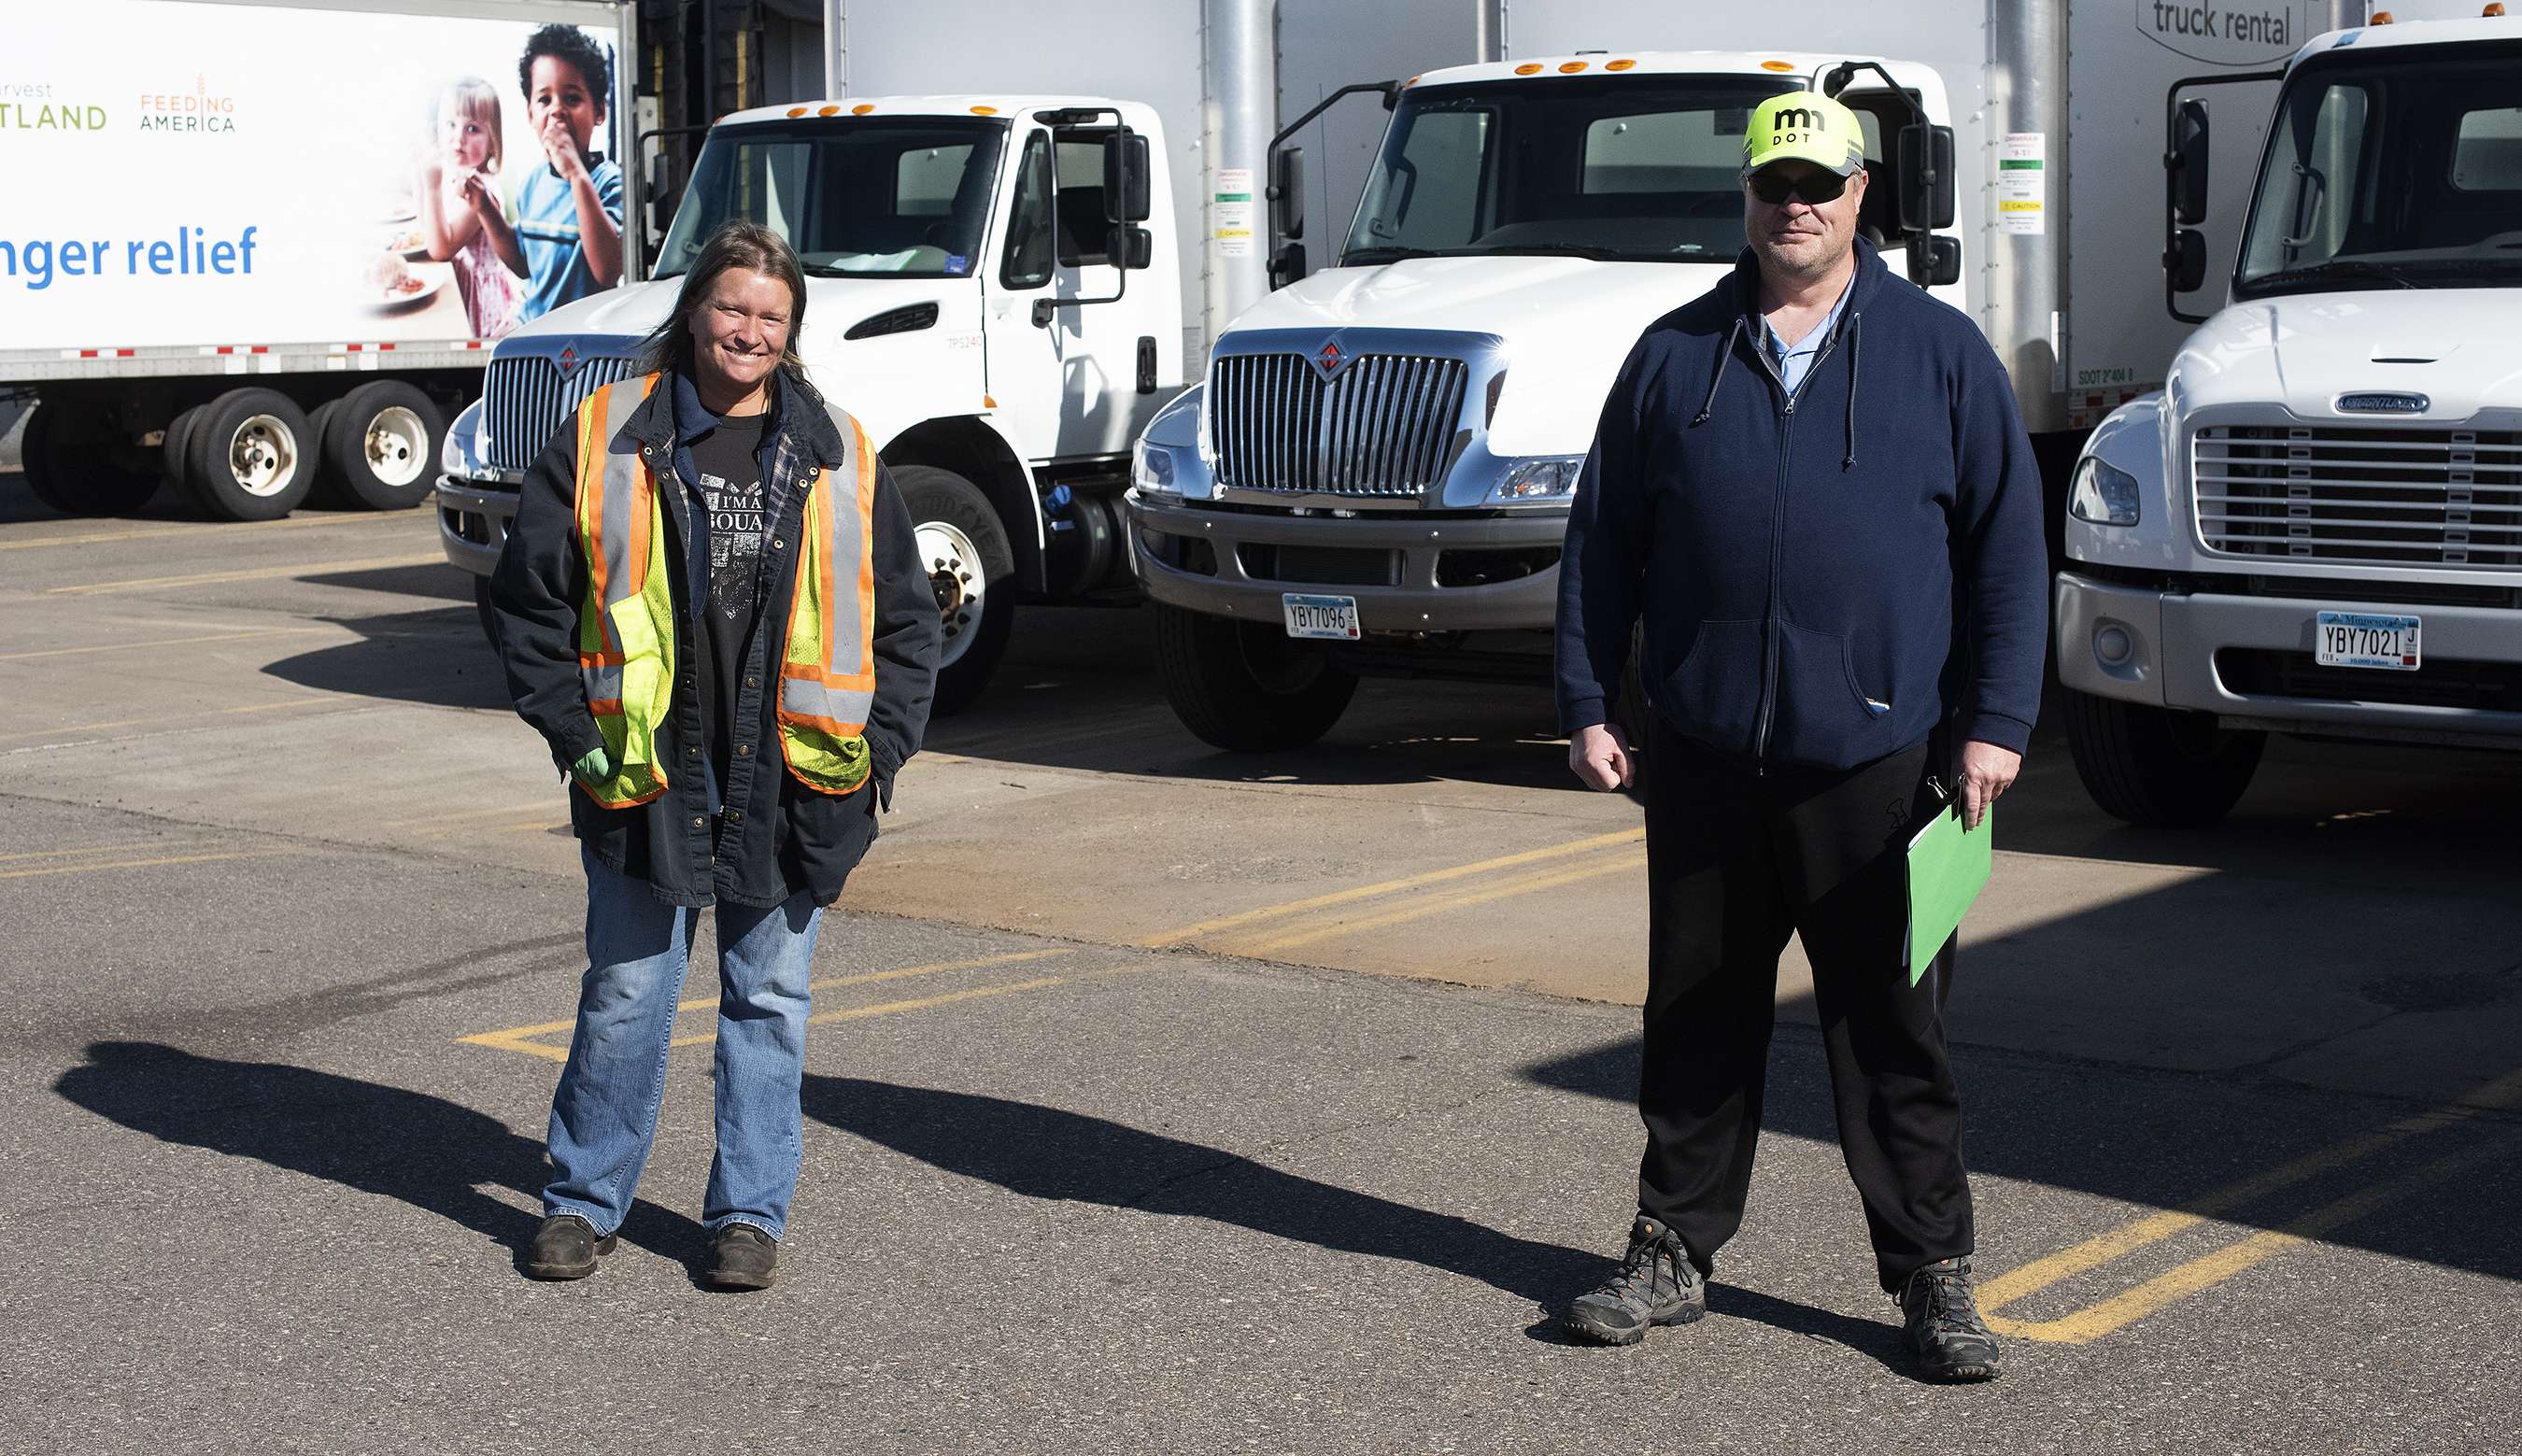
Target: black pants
{"points": [[1736, 861]]}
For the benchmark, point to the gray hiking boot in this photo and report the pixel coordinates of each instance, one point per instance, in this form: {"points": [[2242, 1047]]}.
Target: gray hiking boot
{"points": [[1656, 1285], [1952, 1343]]}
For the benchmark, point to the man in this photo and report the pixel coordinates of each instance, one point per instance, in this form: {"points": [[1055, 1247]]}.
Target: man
{"points": [[1814, 486], [711, 606], [567, 239]]}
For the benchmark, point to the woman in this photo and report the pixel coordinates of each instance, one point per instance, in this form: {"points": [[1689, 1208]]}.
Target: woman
{"points": [[686, 621]]}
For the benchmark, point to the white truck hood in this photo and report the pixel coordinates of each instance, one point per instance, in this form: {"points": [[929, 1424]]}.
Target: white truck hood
{"points": [[627, 311], [1567, 321], [2305, 352]]}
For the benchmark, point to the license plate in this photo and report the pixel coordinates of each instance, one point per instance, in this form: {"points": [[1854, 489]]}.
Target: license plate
{"points": [[2362, 639], [1333, 617]]}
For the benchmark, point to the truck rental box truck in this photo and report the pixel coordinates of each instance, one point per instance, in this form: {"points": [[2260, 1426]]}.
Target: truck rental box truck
{"points": [[1373, 477], [243, 258]]}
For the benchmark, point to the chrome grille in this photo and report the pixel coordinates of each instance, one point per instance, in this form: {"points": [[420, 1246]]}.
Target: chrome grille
{"points": [[524, 399], [1385, 427], [2393, 496]]}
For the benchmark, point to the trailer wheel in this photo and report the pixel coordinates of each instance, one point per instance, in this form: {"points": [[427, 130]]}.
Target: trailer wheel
{"points": [[79, 462], [250, 456], [379, 445], [177, 461], [959, 537], [1246, 686], [2156, 767], [38, 467]]}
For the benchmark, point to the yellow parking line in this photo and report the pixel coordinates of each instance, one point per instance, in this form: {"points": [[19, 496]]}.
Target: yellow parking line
{"points": [[2040, 1274], [890, 1007], [1433, 876], [89, 727], [105, 848], [223, 637], [2088, 1325], [245, 853], [258, 574], [520, 1038], [205, 528], [1441, 904]]}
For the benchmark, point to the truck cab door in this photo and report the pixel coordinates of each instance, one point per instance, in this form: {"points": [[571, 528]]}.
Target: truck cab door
{"points": [[1072, 381]]}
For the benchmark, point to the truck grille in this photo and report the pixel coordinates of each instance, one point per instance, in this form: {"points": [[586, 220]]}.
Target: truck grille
{"points": [[2481, 687], [523, 401], [2404, 496], [1385, 427]]}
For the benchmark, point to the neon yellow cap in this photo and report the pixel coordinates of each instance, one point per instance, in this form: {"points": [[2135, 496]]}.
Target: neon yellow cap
{"points": [[1803, 124]]}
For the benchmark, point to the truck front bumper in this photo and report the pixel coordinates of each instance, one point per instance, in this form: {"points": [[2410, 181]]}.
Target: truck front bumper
{"points": [[473, 519], [1229, 564], [2250, 661]]}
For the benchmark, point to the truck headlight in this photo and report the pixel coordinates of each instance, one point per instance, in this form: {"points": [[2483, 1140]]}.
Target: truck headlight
{"points": [[1545, 478], [1153, 468], [2104, 494], [460, 456]]}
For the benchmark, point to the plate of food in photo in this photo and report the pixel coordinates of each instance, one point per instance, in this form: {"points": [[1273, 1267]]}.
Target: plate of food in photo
{"points": [[390, 286]]}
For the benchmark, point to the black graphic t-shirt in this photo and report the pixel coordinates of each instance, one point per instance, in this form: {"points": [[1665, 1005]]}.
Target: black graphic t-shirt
{"points": [[729, 464]]}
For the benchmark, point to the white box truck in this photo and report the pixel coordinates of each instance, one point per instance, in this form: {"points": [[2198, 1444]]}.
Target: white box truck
{"points": [[1373, 477], [226, 267], [2316, 527]]}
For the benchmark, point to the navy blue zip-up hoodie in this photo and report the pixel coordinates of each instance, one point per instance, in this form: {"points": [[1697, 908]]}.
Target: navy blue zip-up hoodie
{"points": [[1825, 578]]}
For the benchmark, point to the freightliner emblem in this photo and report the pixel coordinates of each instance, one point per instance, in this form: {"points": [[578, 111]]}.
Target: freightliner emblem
{"points": [[2383, 401]]}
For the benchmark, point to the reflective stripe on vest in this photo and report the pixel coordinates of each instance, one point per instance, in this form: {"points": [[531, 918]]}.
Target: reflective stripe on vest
{"points": [[627, 623]]}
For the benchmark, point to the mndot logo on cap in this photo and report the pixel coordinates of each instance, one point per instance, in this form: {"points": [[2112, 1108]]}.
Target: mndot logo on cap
{"points": [[1808, 125]]}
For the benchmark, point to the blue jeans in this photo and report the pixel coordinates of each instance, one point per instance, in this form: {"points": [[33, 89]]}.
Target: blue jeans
{"points": [[604, 1116]]}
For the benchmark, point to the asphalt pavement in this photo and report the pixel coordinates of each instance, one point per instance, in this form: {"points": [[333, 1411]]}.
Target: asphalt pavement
{"points": [[1160, 1099]]}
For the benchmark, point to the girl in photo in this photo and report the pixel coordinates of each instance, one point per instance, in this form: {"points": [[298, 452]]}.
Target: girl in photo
{"points": [[457, 196]]}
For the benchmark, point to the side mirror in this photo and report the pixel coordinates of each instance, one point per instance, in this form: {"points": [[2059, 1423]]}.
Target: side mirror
{"points": [[2187, 161], [661, 182], [1129, 247], [1934, 261], [1287, 192], [1125, 177], [1926, 175], [1287, 265], [2186, 262]]}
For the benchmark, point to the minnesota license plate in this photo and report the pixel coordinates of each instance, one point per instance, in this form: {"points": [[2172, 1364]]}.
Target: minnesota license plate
{"points": [[2363, 640], [1333, 617]]}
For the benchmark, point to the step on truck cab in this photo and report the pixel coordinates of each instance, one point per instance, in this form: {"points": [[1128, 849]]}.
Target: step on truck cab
{"points": [[992, 290], [2316, 527], [1373, 478]]}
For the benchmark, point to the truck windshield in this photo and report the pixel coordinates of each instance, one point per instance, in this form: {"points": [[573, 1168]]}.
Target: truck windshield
{"points": [[1639, 169], [890, 198], [2405, 174]]}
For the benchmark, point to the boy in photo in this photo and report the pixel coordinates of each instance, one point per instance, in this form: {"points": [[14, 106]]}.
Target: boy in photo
{"points": [[566, 239]]}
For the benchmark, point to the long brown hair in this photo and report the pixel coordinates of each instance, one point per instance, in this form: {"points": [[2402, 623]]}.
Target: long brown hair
{"points": [[737, 243]]}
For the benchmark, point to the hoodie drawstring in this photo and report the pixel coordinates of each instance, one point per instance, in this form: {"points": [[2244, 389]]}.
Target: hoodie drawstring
{"points": [[1723, 356], [1855, 337]]}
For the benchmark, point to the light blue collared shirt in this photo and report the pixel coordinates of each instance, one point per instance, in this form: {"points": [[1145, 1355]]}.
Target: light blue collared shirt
{"points": [[1796, 360]]}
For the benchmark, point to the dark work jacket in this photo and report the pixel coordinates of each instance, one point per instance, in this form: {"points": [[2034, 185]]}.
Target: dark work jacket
{"points": [[1825, 578], [777, 837]]}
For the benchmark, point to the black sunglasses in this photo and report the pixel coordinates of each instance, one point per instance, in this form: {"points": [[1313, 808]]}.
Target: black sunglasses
{"points": [[1815, 188]]}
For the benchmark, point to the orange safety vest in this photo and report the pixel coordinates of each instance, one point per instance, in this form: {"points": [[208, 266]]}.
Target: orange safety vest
{"points": [[626, 625]]}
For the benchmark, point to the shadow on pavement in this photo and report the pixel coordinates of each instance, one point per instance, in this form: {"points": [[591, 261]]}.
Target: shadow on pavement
{"points": [[434, 657], [408, 1146]]}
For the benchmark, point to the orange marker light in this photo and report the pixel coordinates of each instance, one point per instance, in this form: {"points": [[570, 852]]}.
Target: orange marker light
{"points": [[796, 111], [1413, 80], [989, 403], [830, 111], [2494, 8], [862, 109], [1775, 66], [1617, 65], [1571, 68], [985, 110], [1528, 67], [2379, 18]]}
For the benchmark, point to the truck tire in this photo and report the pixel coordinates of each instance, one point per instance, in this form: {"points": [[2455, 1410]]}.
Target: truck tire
{"points": [[324, 489], [1246, 686], [176, 460], [250, 456], [80, 471], [959, 537], [38, 468], [379, 445], [2156, 767]]}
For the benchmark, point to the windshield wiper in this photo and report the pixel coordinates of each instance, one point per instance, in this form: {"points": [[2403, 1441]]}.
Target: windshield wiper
{"points": [[1579, 249], [1386, 254], [2337, 268]]}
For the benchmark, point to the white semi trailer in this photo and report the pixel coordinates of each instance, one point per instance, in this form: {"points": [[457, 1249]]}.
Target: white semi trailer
{"points": [[218, 272], [2316, 527]]}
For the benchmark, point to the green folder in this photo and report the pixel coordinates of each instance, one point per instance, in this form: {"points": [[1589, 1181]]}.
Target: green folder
{"points": [[1947, 869]]}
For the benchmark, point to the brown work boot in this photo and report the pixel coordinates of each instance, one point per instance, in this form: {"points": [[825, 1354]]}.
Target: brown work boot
{"points": [[743, 1257]]}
